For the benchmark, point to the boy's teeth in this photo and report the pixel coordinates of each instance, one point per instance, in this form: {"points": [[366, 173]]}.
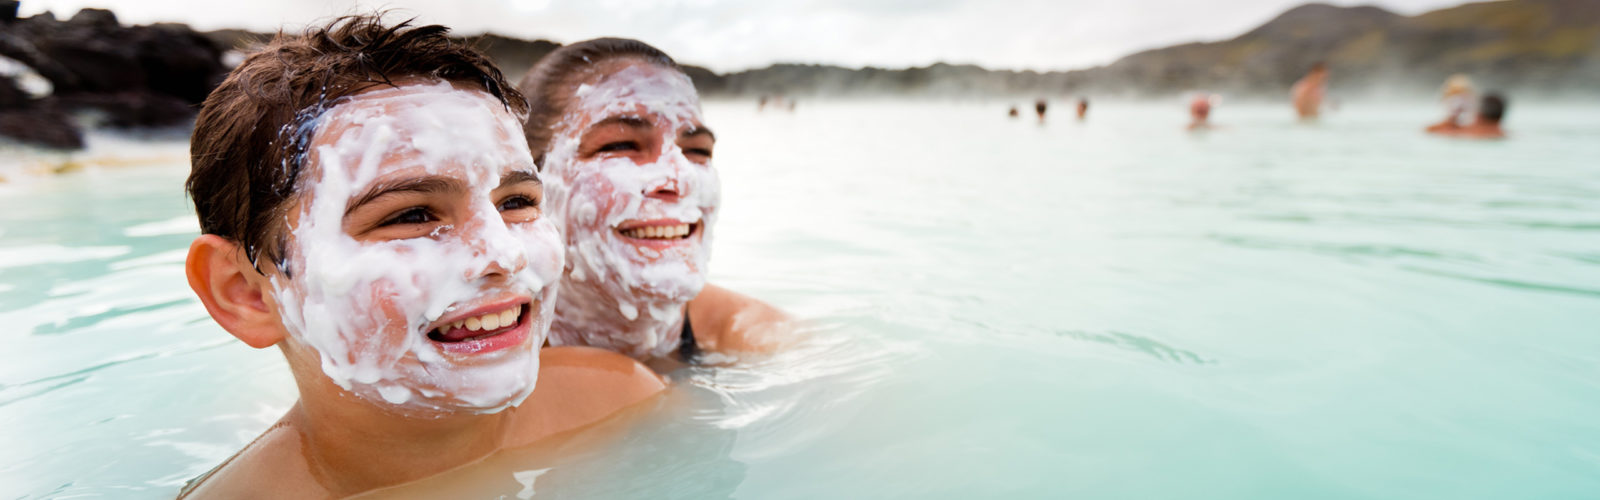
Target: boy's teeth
{"points": [[489, 321], [658, 232]]}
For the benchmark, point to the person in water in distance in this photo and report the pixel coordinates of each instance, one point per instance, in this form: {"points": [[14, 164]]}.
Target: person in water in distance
{"points": [[617, 131], [1457, 96], [1307, 94], [1200, 112], [369, 206], [1486, 125]]}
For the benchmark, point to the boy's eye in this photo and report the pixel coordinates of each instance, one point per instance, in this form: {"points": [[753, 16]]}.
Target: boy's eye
{"points": [[619, 146], [413, 215], [517, 203], [698, 151]]}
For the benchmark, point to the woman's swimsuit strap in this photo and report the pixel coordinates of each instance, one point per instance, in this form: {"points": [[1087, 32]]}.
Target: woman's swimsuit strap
{"points": [[687, 350]]}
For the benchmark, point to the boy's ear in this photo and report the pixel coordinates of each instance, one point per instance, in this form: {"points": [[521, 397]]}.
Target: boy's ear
{"points": [[232, 291]]}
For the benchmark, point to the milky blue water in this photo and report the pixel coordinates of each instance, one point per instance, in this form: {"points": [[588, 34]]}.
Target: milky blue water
{"points": [[998, 308]]}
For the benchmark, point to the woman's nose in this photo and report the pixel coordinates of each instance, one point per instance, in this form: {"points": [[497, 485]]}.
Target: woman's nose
{"points": [[671, 187], [668, 189]]}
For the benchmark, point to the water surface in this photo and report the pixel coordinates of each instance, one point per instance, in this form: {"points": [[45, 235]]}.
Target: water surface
{"points": [[1113, 308]]}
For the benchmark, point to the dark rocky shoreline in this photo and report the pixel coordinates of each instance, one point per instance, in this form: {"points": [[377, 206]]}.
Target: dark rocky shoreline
{"points": [[101, 73]]}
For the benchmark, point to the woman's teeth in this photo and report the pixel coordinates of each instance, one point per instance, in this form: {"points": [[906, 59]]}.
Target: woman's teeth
{"points": [[658, 232], [489, 321]]}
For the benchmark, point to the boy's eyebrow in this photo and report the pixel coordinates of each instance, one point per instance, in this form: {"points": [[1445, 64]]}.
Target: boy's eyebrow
{"points": [[429, 184], [519, 176]]}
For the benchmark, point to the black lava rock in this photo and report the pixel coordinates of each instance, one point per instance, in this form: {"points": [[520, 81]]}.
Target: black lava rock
{"points": [[126, 76]]}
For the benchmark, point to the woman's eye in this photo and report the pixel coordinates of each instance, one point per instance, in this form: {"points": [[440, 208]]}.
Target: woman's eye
{"points": [[518, 203], [413, 215], [619, 146]]}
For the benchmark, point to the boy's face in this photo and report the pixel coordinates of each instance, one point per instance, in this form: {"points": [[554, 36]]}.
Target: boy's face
{"points": [[419, 266]]}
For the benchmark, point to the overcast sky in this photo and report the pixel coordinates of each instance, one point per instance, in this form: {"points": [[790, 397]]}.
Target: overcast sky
{"points": [[739, 34]]}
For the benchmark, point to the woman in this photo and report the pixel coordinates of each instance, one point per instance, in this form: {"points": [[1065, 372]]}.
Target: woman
{"points": [[616, 129]]}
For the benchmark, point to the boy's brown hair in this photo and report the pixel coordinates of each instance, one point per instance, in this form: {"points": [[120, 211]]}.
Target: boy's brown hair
{"points": [[252, 131]]}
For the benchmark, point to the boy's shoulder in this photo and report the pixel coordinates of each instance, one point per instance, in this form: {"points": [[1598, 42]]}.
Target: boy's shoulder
{"points": [[272, 466], [579, 386]]}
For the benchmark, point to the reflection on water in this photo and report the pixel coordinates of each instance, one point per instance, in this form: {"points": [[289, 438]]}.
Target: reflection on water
{"points": [[1111, 308]]}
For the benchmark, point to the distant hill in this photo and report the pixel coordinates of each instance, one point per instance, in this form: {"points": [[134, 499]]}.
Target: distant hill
{"points": [[1547, 46], [1543, 46]]}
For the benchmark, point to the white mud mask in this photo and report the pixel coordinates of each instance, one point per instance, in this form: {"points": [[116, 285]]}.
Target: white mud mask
{"points": [[403, 321], [638, 224]]}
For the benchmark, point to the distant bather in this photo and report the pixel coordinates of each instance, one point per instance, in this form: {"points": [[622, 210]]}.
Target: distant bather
{"points": [[1307, 93]]}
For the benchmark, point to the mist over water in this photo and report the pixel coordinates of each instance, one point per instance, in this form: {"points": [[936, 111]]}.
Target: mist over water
{"points": [[999, 308]]}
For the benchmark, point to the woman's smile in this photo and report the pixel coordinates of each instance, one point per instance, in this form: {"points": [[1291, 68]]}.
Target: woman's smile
{"points": [[660, 233]]}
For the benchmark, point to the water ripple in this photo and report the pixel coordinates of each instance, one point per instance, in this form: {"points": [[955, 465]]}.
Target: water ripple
{"points": [[1514, 284], [183, 224], [39, 391], [56, 254], [55, 382], [768, 390], [1364, 250], [81, 322], [1157, 350], [1123, 341]]}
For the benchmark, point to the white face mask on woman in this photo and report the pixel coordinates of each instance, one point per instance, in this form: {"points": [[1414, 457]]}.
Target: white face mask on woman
{"points": [[630, 181]]}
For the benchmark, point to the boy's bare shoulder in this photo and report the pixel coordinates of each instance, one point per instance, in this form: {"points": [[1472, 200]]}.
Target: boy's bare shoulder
{"points": [[579, 386], [272, 466]]}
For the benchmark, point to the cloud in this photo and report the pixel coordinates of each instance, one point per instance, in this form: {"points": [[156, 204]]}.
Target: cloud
{"points": [[736, 34]]}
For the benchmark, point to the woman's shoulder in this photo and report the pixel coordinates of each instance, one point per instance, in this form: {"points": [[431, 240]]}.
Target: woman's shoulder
{"points": [[729, 321], [591, 365], [579, 386]]}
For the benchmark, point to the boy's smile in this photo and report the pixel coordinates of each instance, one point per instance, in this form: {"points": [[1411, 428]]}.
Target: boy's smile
{"points": [[483, 329]]}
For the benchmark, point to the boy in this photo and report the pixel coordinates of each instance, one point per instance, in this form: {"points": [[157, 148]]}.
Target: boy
{"points": [[370, 207]]}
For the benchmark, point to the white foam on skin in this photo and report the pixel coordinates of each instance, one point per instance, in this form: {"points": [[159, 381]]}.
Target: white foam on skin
{"points": [[366, 306], [616, 295]]}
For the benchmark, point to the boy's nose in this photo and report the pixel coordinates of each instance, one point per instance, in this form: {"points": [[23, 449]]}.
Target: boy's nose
{"points": [[499, 267], [492, 240]]}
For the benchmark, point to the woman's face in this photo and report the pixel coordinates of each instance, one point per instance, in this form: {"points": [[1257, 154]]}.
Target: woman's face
{"points": [[636, 194], [419, 267]]}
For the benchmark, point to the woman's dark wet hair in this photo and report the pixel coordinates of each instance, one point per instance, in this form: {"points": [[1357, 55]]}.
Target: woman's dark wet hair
{"points": [[550, 83], [252, 131]]}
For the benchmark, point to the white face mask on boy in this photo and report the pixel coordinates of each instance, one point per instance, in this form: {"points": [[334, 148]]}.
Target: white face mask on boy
{"points": [[418, 265]]}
